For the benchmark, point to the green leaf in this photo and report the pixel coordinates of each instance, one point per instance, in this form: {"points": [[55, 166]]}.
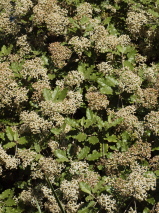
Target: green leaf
{"points": [[146, 210], [88, 53], [93, 139], [72, 21], [111, 138], [87, 209], [89, 197], [83, 153], [38, 156], [72, 122], [13, 210], [115, 122], [9, 145], [10, 133], [89, 114], [94, 156], [104, 148], [131, 56], [15, 136], [106, 90], [56, 95], [61, 155], [47, 94], [81, 136], [10, 202], [51, 76], [112, 29], [86, 70], [84, 20], [99, 187], [23, 21], [2, 136], [6, 50], [101, 82], [157, 173], [121, 49], [62, 94], [106, 20], [85, 187], [128, 64], [16, 67], [37, 147], [56, 131], [155, 148], [151, 200], [45, 60], [110, 81], [113, 148], [6, 194], [22, 140]]}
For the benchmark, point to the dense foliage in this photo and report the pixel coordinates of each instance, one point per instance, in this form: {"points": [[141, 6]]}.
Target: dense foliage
{"points": [[79, 91]]}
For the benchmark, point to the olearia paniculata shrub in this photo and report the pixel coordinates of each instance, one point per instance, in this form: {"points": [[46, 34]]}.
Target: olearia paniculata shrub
{"points": [[79, 98]]}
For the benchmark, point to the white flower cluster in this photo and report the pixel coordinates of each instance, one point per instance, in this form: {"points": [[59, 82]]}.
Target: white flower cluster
{"points": [[7, 160], [70, 189], [140, 58], [129, 81], [72, 206], [53, 145], [49, 12], [139, 182], [152, 121], [124, 40], [69, 105], [105, 41], [24, 45], [6, 26], [84, 9], [84, 18], [50, 167], [90, 177], [34, 123], [51, 203], [148, 97], [135, 21], [27, 156], [22, 7], [36, 172], [80, 44], [27, 196], [150, 73], [34, 69], [78, 167], [59, 54], [38, 87], [5, 5], [107, 202], [13, 94], [131, 210], [97, 101], [130, 121], [105, 68], [10, 91], [109, 7], [74, 78]]}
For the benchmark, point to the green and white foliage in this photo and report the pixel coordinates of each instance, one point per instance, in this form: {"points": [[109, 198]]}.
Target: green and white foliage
{"points": [[79, 99]]}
